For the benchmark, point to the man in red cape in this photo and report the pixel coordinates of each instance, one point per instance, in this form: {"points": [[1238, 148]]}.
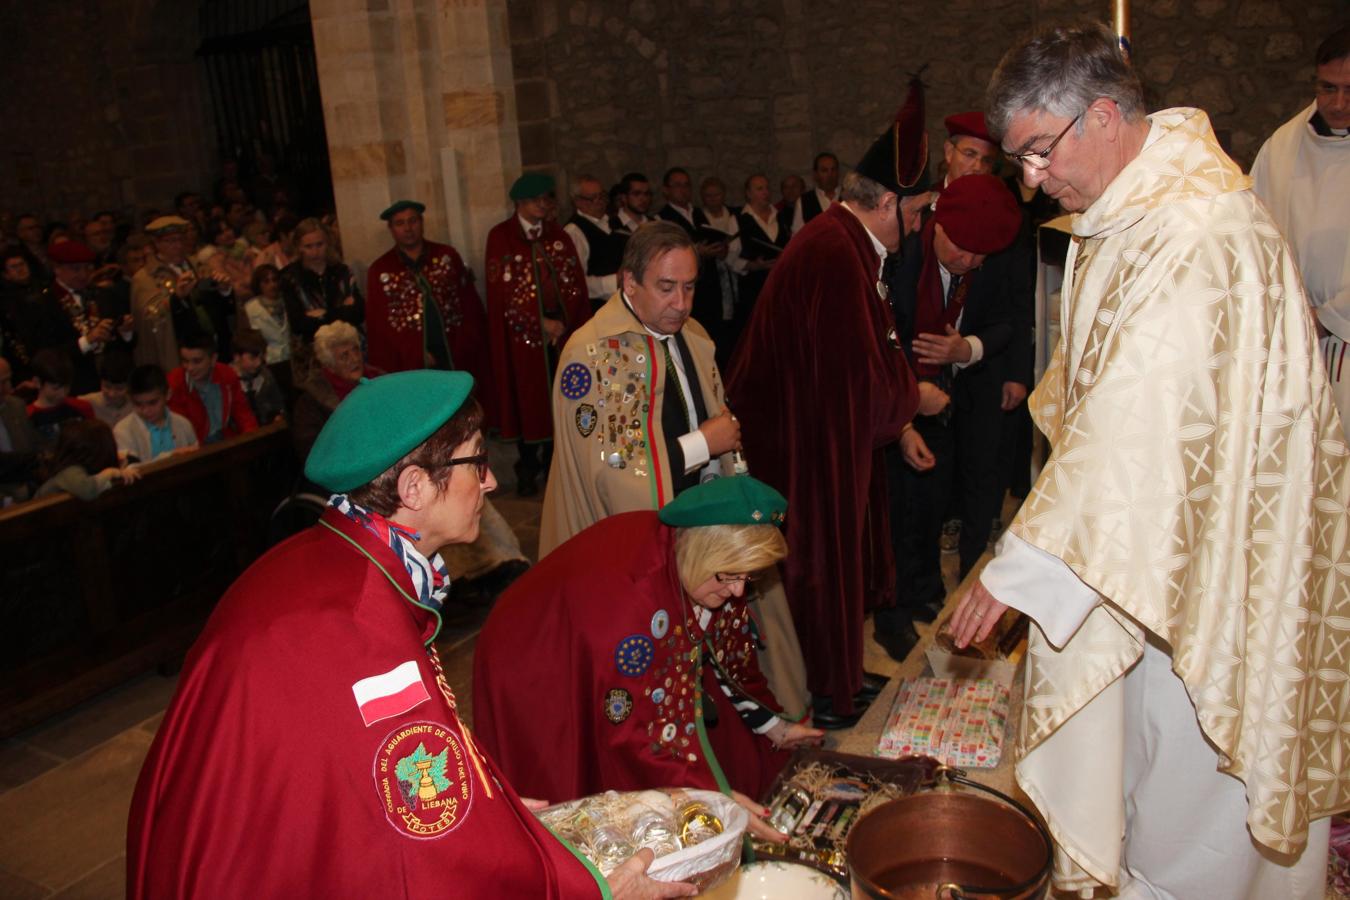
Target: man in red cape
{"points": [[821, 385], [536, 297], [422, 311], [604, 668]]}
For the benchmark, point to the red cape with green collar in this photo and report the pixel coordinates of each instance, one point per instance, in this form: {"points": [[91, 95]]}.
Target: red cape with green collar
{"points": [[526, 279], [591, 669], [269, 779]]}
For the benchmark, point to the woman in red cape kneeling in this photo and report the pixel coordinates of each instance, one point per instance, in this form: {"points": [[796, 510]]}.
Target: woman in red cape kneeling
{"points": [[626, 659]]}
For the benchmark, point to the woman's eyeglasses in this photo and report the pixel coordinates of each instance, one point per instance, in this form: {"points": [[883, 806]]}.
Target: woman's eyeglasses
{"points": [[481, 461], [724, 578]]}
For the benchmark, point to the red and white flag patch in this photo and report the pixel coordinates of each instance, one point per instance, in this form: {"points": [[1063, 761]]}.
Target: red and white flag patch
{"points": [[381, 697]]}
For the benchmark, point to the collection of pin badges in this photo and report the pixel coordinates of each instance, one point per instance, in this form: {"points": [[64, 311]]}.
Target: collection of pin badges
{"points": [[405, 294], [516, 271], [668, 659], [614, 384]]}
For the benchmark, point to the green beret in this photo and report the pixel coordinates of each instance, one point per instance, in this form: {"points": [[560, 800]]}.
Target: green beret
{"points": [[400, 206], [531, 185], [381, 420], [736, 500]]}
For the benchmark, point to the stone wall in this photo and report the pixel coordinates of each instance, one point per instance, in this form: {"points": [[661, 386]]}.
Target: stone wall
{"points": [[732, 87], [418, 104], [104, 105]]}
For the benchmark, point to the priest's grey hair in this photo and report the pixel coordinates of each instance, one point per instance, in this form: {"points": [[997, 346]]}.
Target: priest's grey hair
{"points": [[1062, 71], [862, 191]]}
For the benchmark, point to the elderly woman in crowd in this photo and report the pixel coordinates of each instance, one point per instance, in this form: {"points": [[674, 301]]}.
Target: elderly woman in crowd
{"points": [[339, 367], [633, 643], [313, 747]]}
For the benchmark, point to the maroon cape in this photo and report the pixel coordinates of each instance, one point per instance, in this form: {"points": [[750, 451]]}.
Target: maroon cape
{"points": [[524, 279], [265, 779], [591, 670], [820, 385], [395, 330]]}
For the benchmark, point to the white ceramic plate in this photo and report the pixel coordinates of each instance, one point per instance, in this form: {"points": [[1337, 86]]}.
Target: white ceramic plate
{"points": [[775, 880]]}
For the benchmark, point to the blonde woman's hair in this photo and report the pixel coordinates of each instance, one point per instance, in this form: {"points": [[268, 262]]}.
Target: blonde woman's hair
{"points": [[703, 551], [331, 336], [309, 226]]}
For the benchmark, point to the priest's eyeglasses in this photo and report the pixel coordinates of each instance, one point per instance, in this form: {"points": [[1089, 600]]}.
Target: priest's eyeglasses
{"points": [[1040, 159], [725, 578], [481, 461]]}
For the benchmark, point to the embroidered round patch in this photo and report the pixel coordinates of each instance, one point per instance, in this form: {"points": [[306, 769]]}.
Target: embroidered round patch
{"points": [[423, 779], [658, 695], [668, 733], [576, 381], [618, 705], [586, 419], [634, 655], [660, 623]]}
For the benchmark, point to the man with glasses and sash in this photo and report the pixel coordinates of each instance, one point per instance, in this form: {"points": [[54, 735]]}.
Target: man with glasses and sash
{"points": [[1184, 551]]}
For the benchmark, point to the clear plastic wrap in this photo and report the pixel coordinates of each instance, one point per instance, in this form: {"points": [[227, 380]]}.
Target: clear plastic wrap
{"points": [[696, 835]]}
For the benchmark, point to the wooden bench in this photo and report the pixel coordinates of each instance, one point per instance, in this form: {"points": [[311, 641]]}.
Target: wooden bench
{"points": [[92, 594]]}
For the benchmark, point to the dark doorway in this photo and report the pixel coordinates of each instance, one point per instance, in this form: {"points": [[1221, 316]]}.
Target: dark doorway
{"points": [[264, 86]]}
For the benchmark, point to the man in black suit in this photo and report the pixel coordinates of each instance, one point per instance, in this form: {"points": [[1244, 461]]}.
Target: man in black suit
{"points": [[956, 295], [679, 190]]}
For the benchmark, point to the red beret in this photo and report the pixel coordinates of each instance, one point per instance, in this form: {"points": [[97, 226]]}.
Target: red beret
{"points": [[979, 214], [970, 124], [69, 253]]}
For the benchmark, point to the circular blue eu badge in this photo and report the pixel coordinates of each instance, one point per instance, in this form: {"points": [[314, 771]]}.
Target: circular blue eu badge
{"points": [[660, 623], [575, 382], [633, 655]]}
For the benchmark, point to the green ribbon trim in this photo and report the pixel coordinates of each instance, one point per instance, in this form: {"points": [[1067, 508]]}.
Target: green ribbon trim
{"points": [[600, 880], [747, 852], [398, 587]]}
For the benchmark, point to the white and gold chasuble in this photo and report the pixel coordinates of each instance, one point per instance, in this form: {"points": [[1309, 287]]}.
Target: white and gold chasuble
{"points": [[1199, 483]]}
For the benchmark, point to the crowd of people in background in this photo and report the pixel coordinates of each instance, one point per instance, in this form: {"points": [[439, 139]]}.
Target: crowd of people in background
{"points": [[197, 324]]}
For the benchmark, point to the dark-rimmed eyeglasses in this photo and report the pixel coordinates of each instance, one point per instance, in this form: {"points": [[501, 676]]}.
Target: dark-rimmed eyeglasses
{"points": [[725, 578], [481, 461], [1040, 159]]}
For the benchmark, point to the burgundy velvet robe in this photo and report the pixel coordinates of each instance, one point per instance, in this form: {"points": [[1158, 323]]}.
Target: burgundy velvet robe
{"points": [[395, 330], [820, 385], [575, 693], [524, 280], [265, 780]]}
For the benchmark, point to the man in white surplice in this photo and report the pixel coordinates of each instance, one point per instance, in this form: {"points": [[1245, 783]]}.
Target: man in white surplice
{"points": [[1183, 553], [1302, 174]]}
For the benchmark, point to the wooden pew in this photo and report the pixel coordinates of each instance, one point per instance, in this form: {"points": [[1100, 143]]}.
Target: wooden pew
{"points": [[92, 594]]}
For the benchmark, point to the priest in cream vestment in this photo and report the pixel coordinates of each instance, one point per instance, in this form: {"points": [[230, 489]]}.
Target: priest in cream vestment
{"points": [[1183, 554]]}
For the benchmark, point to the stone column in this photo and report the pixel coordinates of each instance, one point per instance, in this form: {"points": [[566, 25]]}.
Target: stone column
{"points": [[419, 103]]}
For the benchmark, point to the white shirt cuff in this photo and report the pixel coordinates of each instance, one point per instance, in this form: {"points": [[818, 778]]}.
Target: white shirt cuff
{"points": [[88, 346], [695, 448], [1039, 584], [976, 352], [770, 725]]}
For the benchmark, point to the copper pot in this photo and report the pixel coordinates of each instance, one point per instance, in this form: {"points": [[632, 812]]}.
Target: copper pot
{"points": [[948, 844]]}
